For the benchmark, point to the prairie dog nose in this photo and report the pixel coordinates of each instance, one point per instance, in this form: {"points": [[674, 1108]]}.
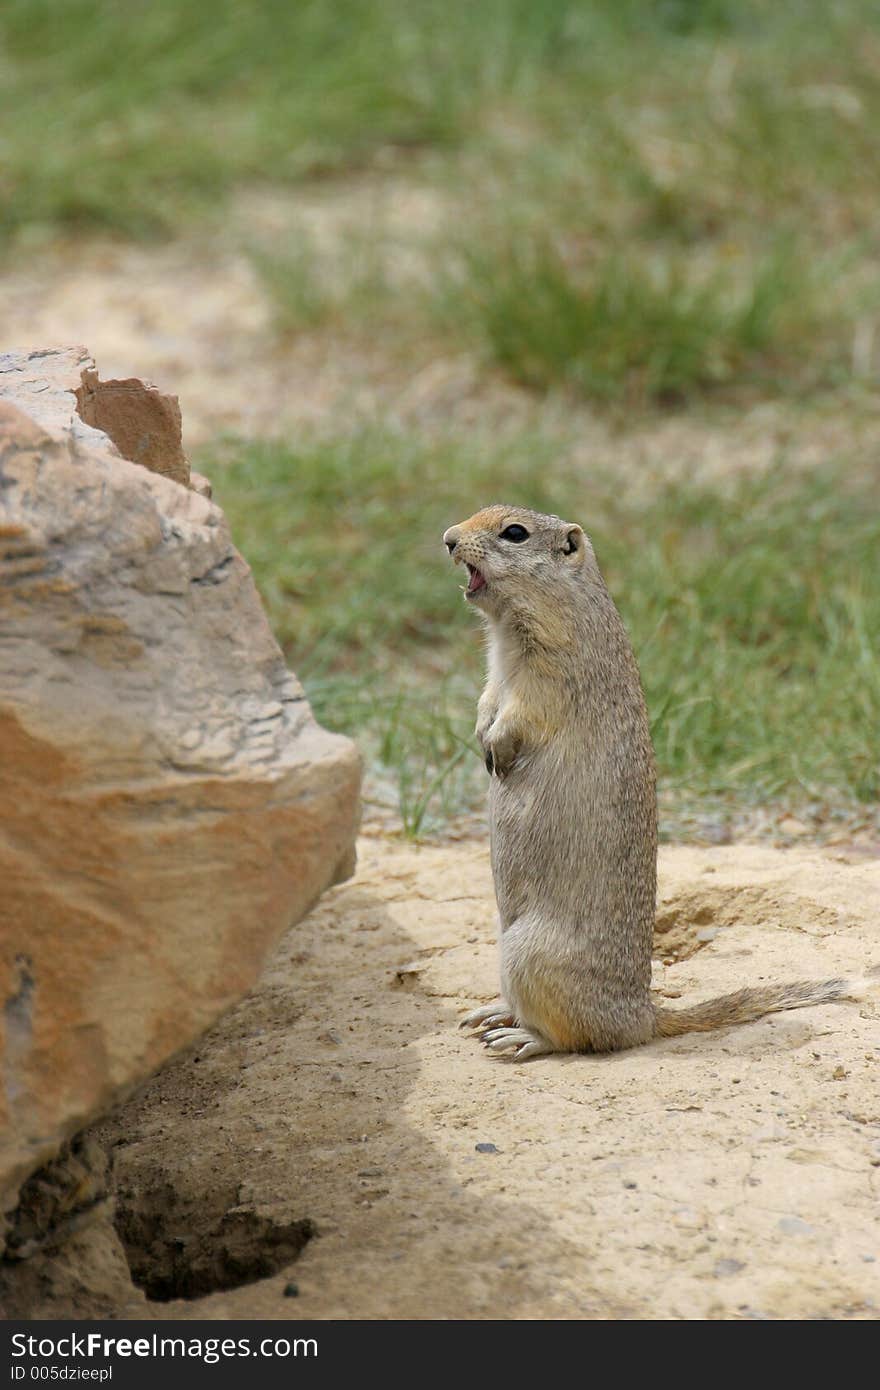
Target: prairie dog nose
{"points": [[450, 538]]}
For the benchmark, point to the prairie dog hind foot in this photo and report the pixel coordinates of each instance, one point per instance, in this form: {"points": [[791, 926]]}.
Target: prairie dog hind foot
{"points": [[494, 1015], [499, 1031], [522, 1042]]}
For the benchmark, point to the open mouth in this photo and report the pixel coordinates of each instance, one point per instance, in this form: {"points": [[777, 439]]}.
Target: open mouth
{"points": [[476, 582]]}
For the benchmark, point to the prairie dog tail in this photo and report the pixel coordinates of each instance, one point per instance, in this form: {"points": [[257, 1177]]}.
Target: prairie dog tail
{"points": [[745, 1005]]}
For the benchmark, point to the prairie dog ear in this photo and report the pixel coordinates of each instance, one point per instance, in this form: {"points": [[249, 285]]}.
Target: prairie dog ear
{"points": [[573, 541]]}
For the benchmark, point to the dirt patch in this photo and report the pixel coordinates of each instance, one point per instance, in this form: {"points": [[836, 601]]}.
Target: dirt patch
{"points": [[195, 317], [179, 1248], [725, 1175], [58, 1200], [688, 920]]}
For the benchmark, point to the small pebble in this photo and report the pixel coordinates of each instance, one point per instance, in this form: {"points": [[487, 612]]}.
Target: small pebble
{"points": [[291, 1290], [630, 1184], [724, 1268], [795, 1226], [486, 1149]]}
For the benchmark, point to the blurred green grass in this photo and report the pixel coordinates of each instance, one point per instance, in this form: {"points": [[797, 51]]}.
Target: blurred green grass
{"points": [[639, 192], [752, 607], [640, 329]]}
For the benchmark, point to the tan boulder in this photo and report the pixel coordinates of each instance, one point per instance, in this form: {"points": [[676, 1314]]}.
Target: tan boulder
{"points": [[168, 804]]}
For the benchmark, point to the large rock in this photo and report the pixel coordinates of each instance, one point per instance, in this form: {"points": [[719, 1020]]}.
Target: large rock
{"points": [[168, 804]]}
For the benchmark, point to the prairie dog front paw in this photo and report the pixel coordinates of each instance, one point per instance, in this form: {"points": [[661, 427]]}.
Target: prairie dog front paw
{"points": [[502, 746], [487, 713]]}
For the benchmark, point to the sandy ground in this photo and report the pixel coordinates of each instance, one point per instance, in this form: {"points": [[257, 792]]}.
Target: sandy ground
{"points": [[729, 1175]]}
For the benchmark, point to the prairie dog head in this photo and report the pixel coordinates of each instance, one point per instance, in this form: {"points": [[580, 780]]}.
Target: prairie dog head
{"points": [[518, 559]]}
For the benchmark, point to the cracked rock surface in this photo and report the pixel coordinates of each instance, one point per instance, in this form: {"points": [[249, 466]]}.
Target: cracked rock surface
{"points": [[169, 804]]}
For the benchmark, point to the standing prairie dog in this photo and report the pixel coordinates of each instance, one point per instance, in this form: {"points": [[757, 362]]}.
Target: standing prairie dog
{"points": [[572, 806]]}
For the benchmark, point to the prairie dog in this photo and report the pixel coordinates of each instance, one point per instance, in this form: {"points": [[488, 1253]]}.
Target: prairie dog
{"points": [[572, 805]]}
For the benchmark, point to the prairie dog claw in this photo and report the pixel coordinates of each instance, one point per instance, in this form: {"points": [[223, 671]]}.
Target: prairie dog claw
{"points": [[519, 1041], [488, 1015]]}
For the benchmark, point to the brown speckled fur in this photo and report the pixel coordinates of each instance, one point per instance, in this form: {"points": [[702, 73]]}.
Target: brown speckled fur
{"points": [[572, 805]]}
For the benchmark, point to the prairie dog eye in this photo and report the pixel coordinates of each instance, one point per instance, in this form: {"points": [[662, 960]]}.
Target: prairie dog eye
{"points": [[514, 533]]}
